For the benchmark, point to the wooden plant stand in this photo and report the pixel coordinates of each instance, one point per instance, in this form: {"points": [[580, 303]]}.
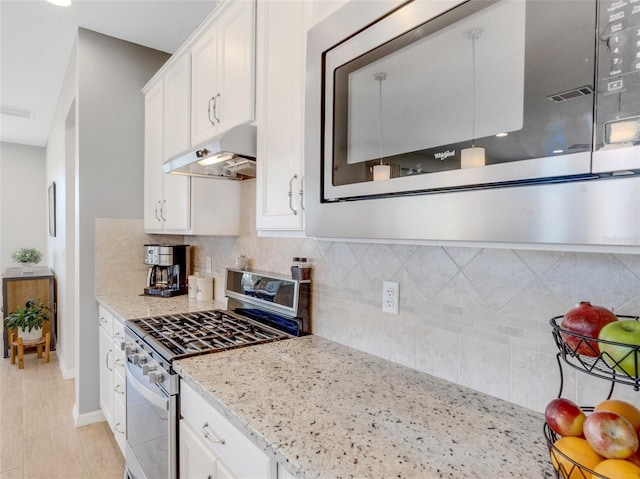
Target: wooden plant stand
{"points": [[18, 346]]}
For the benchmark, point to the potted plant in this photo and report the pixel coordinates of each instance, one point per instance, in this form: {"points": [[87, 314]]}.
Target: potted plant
{"points": [[28, 257], [28, 320]]}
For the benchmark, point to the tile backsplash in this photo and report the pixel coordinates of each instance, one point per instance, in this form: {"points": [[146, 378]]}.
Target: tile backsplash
{"points": [[475, 316]]}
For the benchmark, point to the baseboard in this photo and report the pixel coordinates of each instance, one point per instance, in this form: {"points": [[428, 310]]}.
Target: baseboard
{"points": [[66, 372], [86, 418]]}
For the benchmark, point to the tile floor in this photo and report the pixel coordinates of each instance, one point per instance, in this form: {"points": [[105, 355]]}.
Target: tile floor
{"points": [[38, 439]]}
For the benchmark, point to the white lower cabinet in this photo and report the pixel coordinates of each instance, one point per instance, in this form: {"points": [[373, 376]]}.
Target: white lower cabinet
{"points": [[105, 351], [212, 447], [196, 460], [112, 374], [283, 473]]}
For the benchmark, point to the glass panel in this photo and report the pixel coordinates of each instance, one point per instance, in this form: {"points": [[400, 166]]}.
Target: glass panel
{"points": [[274, 290], [147, 431], [529, 73]]}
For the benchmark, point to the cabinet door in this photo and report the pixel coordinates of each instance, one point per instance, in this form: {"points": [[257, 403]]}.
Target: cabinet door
{"points": [[167, 200], [222, 472], [196, 460], [153, 157], [120, 423], [177, 105], [106, 374], [176, 204], [204, 87], [236, 65], [280, 114]]}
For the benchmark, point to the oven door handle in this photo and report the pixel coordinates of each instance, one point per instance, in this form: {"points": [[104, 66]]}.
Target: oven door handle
{"points": [[157, 399]]}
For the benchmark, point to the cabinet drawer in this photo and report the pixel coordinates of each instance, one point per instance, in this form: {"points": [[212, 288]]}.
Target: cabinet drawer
{"points": [[240, 455], [105, 320], [120, 422], [119, 360], [119, 386], [118, 332]]}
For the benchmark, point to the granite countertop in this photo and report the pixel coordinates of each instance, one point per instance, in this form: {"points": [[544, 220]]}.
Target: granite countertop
{"points": [[139, 306], [324, 410]]}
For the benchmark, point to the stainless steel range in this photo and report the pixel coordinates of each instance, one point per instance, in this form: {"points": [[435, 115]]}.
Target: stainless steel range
{"points": [[262, 307]]}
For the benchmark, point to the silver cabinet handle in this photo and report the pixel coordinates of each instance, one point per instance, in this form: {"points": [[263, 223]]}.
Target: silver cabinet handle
{"points": [[294, 177], [117, 336], [106, 359], [118, 362], [206, 432], [162, 213], [116, 429], [215, 108], [117, 389], [302, 194], [157, 217], [211, 111]]}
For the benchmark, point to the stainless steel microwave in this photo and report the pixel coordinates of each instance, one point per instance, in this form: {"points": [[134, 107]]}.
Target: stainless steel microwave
{"points": [[444, 102]]}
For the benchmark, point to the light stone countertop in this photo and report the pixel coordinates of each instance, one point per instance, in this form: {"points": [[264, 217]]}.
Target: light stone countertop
{"points": [[324, 410], [140, 306]]}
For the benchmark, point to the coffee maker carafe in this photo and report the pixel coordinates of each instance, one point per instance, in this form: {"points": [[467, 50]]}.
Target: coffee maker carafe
{"points": [[168, 271]]}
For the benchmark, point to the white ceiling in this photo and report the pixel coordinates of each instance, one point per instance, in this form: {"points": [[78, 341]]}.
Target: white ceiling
{"points": [[36, 39]]}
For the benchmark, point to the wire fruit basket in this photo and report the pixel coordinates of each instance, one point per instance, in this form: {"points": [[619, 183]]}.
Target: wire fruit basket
{"points": [[623, 369]]}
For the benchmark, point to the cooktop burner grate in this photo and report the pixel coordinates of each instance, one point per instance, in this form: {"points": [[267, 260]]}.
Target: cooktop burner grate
{"points": [[204, 331]]}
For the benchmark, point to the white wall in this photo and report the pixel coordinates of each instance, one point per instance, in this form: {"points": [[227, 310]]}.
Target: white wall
{"points": [[61, 169], [95, 152], [23, 200]]}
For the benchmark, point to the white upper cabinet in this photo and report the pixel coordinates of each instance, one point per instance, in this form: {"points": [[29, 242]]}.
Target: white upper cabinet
{"points": [[153, 157], [223, 73], [206, 88], [177, 95], [166, 197], [281, 31]]}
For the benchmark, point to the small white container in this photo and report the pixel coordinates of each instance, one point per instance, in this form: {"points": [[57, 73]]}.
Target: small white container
{"points": [[193, 286], [205, 288]]}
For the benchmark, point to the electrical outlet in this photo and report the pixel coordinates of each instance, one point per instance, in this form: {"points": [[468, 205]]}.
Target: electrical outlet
{"points": [[390, 297]]}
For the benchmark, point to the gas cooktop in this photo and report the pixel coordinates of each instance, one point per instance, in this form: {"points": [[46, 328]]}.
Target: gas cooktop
{"points": [[203, 331]]}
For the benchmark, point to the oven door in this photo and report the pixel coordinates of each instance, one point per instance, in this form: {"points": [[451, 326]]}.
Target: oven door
{"points": [[151, 428]]}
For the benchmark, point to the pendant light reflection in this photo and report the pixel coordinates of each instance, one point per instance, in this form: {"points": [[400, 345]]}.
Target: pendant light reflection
{"points": [[473, 157], [381, 171]]}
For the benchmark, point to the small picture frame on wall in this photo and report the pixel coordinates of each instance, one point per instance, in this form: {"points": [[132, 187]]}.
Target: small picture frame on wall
{"points": [[52, 209]]}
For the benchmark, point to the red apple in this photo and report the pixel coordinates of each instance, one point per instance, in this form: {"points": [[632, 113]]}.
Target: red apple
{"points": [[610, 435], [564, 417], [585, 320]]}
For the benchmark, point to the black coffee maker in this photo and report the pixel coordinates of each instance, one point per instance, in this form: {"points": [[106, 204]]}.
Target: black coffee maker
{"points": [[169, 269]]}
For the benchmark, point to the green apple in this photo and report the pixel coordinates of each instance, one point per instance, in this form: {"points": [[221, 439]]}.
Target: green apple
{"points": [[625, 354]]}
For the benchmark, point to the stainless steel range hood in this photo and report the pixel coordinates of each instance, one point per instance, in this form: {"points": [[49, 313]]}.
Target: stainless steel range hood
{"points": [[230, 155]]}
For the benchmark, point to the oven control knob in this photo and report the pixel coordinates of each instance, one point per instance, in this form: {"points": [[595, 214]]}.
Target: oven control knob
{"points": [[147, 368], [128, 347], [155, 377], [138, 358]]}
